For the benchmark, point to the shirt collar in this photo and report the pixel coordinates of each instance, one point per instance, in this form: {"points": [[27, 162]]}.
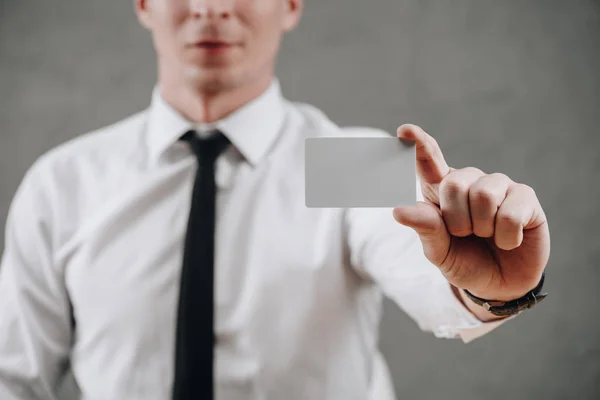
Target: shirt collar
{"points": [[251, 129]]}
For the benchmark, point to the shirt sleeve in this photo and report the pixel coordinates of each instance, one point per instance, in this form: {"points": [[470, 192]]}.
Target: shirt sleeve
{"points": [[35, 317], [392, 255]]}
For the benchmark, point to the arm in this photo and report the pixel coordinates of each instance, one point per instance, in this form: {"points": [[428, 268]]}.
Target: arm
{"points": [[480, 232], [35, 318]]}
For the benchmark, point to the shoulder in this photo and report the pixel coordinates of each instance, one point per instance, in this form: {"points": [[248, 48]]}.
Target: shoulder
{"points": [[107, 142], [64, 169], [58, 183], [318, 124], [95, 148], [364, 131]]}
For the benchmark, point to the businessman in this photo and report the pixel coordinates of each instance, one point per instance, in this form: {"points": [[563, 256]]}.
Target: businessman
{"points": [[171, 255]]}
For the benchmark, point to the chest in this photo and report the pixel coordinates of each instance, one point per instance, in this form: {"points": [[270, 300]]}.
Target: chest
{"points": [[277, 263]]}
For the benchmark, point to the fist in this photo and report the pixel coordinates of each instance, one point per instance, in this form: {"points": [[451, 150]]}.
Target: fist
{"points": [[485, 232]]}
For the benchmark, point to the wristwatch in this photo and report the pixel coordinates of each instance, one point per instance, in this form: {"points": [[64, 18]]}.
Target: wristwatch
{"points": [[513, 307]]}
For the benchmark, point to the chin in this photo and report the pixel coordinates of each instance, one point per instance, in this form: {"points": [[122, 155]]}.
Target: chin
{"points": [[213, 80]]}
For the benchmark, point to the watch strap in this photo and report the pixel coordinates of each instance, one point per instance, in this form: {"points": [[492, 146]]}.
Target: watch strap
{"points": [[507, 308]]}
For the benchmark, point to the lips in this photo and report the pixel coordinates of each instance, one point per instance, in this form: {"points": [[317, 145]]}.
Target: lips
{"points": [[212, 44]]}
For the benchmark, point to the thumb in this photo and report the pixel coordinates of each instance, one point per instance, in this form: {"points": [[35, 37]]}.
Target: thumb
{"points": [[427, 221]]}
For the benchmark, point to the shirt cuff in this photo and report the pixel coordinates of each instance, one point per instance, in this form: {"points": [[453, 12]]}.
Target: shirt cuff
{"points": [[469, 334], [463, 324]]}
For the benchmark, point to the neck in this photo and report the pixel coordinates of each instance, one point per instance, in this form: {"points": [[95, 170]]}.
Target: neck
{"points": [[209, 104]]}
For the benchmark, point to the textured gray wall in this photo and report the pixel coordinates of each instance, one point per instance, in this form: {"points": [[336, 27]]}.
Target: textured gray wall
{"points": [[510, 86]]}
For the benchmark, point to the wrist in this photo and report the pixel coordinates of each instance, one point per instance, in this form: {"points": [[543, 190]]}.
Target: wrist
{"points": [[507, 295], [478, 311]]}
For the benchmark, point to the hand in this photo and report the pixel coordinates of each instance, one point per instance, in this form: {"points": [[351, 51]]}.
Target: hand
{"points": [[486, 233]]}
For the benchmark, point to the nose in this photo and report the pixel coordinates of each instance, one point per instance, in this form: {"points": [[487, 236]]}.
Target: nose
{"points": [[211, 9]]}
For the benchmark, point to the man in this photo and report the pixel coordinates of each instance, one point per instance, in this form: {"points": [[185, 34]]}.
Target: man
{"points": [[113, 238]]}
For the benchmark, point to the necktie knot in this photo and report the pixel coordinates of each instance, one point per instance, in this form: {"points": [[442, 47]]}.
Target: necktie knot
{"points": [[208, 149]]}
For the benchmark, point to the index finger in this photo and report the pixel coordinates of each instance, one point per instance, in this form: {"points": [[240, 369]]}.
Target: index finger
{"points": [[431, 166]]}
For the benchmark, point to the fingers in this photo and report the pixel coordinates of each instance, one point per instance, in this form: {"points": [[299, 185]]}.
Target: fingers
{"points": [[472, 202], [485, 197], [454, 200], [431, 166], [488, 206], [519, 210]]}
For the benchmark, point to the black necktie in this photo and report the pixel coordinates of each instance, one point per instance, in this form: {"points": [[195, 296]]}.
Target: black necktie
{"points": [[194, 347]]}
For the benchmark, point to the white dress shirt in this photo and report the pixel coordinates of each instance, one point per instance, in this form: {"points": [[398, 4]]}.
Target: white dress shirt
{"points": [[93, 254]]}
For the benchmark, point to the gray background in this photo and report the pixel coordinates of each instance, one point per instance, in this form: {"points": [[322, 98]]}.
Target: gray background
{"points": [[511, 86]]}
